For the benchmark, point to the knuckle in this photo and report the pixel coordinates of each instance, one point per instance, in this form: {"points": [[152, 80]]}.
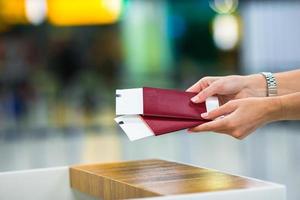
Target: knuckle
{"points": [[205, 78], [199, 82], [237, 134], [215, 87], [241, 137]]}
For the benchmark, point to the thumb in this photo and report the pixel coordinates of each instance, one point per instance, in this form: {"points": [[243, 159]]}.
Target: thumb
{"points": [[221, 111], [205, 93]]}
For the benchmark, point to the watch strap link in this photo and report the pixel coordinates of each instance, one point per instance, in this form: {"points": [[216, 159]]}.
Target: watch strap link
{"points": [[271, 84]]}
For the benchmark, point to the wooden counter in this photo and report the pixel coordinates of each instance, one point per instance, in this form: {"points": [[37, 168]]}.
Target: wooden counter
{"points": [[152, 178]]}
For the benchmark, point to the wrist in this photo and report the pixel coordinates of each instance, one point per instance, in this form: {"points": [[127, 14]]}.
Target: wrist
{"points": [[274, 109], [257, 84]]}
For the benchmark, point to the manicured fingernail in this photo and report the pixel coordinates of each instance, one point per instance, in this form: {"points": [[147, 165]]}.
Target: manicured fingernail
{"points": [[195, 99], [204, 115]]}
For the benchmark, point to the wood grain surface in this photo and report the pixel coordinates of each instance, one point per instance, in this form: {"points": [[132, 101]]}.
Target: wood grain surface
{"points": [[147, 178]]}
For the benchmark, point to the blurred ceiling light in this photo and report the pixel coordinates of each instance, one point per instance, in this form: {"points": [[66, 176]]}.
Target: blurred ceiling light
{"points": [[226, 31], [35, 11], [224, 6], [83, 12]]}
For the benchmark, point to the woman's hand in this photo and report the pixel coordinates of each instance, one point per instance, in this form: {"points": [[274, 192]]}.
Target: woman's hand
{"points": [[229, 87], [239, 118]]}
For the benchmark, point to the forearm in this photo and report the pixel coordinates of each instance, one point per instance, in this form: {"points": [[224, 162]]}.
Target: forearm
{"points": [[286, 107], [290, 106], [288, 82]]}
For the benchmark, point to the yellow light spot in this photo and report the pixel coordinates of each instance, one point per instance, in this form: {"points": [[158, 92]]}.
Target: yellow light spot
{"points": [[13, 11], [83, 12]]}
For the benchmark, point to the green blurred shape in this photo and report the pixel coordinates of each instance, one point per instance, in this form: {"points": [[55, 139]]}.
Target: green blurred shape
{"points": [[147, 50]]}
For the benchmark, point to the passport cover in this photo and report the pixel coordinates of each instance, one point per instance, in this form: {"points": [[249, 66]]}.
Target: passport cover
{"points": [[163, 125], [154, 111]]}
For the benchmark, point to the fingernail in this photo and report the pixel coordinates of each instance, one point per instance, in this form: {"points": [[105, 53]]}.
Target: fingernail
{"points": [[204, 115], [195, 99]]}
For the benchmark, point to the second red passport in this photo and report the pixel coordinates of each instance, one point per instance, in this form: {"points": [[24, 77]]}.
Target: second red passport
{"points": [[154, 111]]}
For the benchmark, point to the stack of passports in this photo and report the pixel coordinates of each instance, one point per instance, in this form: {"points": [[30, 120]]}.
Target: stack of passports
{"points": [[145, 112]]}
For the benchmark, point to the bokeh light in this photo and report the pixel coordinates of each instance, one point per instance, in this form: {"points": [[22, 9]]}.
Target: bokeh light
{"points": [[226, 31], [13, 12], [224, 6], [78, 12], [36, 11]]}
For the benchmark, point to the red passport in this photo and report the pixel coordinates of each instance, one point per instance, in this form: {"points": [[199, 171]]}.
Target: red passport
{"points": [[153, 111]]}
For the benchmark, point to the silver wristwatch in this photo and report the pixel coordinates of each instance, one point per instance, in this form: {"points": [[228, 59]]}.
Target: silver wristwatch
{"points": [[271, 84]]}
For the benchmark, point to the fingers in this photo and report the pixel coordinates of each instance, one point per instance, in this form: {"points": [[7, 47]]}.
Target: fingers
{"points": [[201, 84], [210, 126], [234, 123], [218, 126], [206, 92], [197, 87], [221, 111]]}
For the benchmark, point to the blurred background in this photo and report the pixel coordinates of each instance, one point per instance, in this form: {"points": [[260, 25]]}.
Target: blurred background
{"points": [[61, 61]]}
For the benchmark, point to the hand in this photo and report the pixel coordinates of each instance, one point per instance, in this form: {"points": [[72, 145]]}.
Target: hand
{"points": [[239, 118], [229, 87]]}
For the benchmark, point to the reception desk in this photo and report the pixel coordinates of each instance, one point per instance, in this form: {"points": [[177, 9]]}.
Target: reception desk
{"points": [[144, 179]]}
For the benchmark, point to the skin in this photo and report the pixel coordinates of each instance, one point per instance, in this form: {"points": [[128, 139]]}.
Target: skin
{"points": [[229, 87], [244, 105]]}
